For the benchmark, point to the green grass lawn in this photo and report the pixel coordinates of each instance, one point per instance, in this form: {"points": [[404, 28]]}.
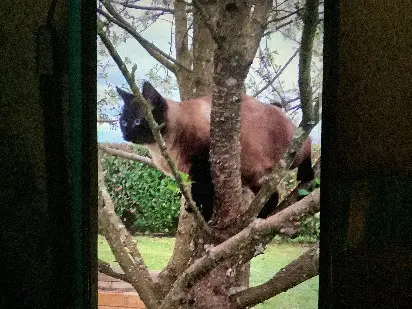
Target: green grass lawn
{"points": [[157, 251]]}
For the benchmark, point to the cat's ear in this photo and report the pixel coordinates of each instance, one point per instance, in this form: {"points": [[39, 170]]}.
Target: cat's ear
{"points": [[152, 95], [126, 96]]}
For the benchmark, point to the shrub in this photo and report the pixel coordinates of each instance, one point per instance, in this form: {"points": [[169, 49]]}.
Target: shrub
{"points": [[146, 200], [309, 229]]}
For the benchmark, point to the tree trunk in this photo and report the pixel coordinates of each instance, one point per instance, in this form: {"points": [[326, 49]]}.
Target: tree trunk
{"points": [[236, 29], [203, 53]]}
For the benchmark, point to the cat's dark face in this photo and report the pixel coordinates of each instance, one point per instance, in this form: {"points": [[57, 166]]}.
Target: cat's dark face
{"points": [[133, 124]]}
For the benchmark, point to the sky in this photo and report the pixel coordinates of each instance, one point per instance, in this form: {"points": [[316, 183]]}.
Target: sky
{"points": [[159, 34]]}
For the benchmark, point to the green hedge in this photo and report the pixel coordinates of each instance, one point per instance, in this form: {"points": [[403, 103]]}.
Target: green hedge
{"points": [[146, 200]]}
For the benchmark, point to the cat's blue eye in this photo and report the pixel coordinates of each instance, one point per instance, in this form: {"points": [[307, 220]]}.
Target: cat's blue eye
{"points": [[123, 123], [136, 122]]}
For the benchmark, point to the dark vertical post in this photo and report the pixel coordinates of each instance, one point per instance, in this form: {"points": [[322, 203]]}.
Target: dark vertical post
{"points": [[89, 144], [48, 251], [366, 234]]}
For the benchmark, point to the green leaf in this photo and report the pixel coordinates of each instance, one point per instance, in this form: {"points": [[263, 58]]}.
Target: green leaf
{"points": [[184, 177], [303, 192], [172, 187], [316, 182]]}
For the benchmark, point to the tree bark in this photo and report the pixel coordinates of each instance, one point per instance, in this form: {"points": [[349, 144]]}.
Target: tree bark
{"points": [[182, 250], [235, 30], [203, 51], [183, 55], [127, 155], [238, 30]]}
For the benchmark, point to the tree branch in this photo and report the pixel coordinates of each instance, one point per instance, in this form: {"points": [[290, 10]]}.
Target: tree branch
{"points": [[301, 269], [152, 8], [155, 130], [169, 62], [181, 32], [310, 22], [124, 247], [107, 120], [278, 27], [127, 155], [181, 251], [146, 8], [277, 74], [253, 236], [278, 19], [106, 269]]}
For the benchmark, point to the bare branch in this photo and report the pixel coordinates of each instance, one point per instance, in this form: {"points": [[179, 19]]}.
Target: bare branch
{"points": [[146, 8], [155, 52], [310, 22], [181, 251], [285, 102], [252, 236], [301, 269], [127, 155], [152, 8], [156, 131], [275, 8], [124, 247], [278, 19], [107, 120], [169, 62], [278, 27], [277, 74], [106, 269]]}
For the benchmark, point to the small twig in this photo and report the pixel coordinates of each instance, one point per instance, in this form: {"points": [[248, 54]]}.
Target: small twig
{"points": [[278, 27], [150, 8], [107, 120], [106, 269], [127, 155], [293, 197], [156, 131], [134, 68], [169, 62], [145, 8], [278, 19], [277, 74]]}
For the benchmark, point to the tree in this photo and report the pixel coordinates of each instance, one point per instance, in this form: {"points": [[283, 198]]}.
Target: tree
{"points": [[210, 263]]}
